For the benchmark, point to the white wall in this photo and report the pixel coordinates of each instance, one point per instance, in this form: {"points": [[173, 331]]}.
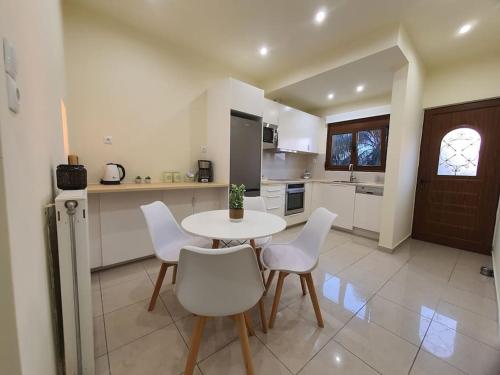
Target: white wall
{"points": [[31, 146], [463, 82], [148, 95], [403, 149]]}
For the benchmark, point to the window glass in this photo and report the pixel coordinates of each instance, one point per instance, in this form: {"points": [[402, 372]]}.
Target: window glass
{"points": [[341, 149], [369, 147], [459, 153]]}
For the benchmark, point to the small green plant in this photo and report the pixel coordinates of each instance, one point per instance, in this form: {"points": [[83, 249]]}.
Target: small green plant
{"points": [[236, 196]]}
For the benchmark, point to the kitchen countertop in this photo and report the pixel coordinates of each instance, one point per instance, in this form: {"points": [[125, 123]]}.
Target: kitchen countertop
{"points": [[130, 187], [324, 181]]}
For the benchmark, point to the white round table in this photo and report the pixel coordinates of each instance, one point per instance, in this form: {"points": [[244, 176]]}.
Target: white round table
{"points": [[216, 225]]}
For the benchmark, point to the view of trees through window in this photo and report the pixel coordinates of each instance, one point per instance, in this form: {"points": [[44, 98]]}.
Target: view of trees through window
{"points": [[362, 143]]}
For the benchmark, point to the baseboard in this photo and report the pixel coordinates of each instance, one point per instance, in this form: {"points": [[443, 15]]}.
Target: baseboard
{"points": [[497, 283], [389, 250]]}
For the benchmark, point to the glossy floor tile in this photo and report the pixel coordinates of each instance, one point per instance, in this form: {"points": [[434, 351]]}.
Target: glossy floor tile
{"points": [[131, 322], [335, 359], [423, 309], [463, 352], [229, 360], [378, 347], [427, 364]]}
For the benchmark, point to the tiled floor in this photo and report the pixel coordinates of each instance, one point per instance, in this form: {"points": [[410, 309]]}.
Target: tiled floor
{"points": [[422, 310]]}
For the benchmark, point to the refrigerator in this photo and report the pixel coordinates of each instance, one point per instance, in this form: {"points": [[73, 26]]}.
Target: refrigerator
{"points": [[246, 152]]}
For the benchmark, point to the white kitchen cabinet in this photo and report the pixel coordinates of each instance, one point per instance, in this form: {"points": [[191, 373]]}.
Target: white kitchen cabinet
{"points": [[95, 250], [124, 234], [271, 112], [117, 228], [337, 198], [274, 198], [206, 200], [246, 98], [367, 212], [298, 131], [179, 202]]}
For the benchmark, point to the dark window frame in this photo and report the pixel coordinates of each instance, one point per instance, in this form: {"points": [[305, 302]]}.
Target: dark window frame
{"points": [[353, 126]]}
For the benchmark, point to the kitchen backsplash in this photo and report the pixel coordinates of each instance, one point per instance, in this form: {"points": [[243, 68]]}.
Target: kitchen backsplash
{"points": [[285, 165]]}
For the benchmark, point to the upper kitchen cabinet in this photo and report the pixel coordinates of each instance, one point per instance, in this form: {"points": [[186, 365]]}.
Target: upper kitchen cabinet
{"points": [[298, 131], [271, 112], [246, 98]]}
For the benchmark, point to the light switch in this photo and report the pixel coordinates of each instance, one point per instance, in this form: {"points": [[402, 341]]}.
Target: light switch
{"points": [[13, 94], [9, 58], [108, 140]]}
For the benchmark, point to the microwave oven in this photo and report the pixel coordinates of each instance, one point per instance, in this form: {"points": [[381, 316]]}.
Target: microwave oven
{"points": [[269, 136]]}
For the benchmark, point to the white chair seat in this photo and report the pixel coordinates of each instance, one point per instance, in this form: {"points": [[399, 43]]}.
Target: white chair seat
{"points": [[169, 252], [287, 258]]}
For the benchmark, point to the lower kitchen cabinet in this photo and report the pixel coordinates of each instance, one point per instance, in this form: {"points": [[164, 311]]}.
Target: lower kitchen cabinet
{"points": [[337, 198], [367, 212], [118, 231]]}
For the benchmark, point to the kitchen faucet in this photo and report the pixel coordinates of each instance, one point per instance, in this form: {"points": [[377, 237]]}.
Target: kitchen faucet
{"points": [[351, 177]]}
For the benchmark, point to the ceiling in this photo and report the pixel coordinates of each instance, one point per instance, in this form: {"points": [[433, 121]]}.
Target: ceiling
{"points": [[232, 31], [374, 72]]}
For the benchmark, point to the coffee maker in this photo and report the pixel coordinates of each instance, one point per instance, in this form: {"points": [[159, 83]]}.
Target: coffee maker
{"points": [[205, 171]]}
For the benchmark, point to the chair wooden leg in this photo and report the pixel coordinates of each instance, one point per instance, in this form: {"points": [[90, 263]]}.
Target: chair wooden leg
{"points": [[248, 322], [262, 313], [245, 345], [159, 281], [314, 299], [303, 285], [257, 254], [269, 280], [215, 244], [277, 296], [195, 345], [174, 274]]}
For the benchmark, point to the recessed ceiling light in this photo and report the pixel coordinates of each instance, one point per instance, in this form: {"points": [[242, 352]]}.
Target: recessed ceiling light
{"points": [[360, 88], [331, 96], [320, 16], [263, 51], [464, 29]]}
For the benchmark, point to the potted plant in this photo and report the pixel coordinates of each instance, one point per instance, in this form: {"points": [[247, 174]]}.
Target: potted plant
{"points": [[147, 179], [138, 180], [236, 202]]}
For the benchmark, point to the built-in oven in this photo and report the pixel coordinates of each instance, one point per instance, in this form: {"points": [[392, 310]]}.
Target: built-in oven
{"points": [[294, 199], [269, 135]]}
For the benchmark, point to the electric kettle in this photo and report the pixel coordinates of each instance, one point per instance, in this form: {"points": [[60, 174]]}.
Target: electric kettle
{"points": [[113, 174]]}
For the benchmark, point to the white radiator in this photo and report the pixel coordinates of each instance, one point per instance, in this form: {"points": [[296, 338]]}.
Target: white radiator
{"points": [[76, 295]]}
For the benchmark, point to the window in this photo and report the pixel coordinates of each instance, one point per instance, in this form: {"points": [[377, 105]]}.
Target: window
{"points": [[361, 142], [459, 153]]}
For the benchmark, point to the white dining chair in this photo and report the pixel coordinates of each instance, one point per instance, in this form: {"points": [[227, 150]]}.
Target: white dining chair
{"points": [[168, 239], [257, 204], [299, 257], [222, 283]]}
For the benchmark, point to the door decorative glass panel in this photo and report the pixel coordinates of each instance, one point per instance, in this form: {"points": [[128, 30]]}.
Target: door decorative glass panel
{"points": [[459, 154], [341, 149], [369, 146]]}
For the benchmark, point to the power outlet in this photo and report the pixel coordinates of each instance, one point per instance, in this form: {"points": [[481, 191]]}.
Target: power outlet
{"points": [[204, 149], [108, 140]]}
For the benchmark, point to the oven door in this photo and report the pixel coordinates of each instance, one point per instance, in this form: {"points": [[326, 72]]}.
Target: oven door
{"points": [[294, 202]]}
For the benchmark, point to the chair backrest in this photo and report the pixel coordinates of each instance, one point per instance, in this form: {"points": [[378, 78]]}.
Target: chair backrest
{"points": [[254, 203], [312, 237], [162, 226], [218, 282]]}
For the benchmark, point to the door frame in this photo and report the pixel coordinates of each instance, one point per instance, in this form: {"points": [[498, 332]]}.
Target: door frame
{"points": [[423, 156]]}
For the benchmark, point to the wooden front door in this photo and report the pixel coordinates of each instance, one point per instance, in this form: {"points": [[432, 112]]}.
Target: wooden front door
{"points": [[459, 176]]}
